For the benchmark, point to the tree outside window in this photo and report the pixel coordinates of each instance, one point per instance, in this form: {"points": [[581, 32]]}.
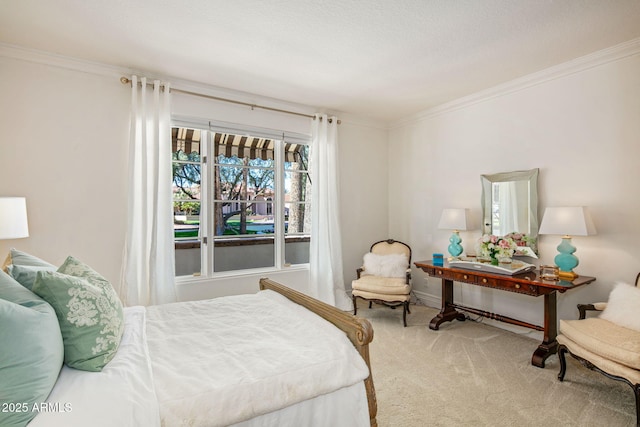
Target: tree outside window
{"points": [[243, 193]]}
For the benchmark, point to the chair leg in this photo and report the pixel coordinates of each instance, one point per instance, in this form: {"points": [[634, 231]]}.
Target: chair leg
{"points": [[405, 308], [370, 302], [562, 350], [636, 389]]}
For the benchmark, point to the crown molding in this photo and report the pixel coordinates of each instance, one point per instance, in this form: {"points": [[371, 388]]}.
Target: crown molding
{"points": [[602, 57], [48, 58], [80, 65], [96, 68], [583, 63]]}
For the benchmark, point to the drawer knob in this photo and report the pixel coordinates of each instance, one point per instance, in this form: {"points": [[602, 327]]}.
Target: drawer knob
{"points": [[465, 277], [439, 271], [517, 285], [484, 280]]}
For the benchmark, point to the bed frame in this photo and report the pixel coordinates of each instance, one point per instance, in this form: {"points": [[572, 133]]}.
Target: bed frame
{"points": [[359, 331]]}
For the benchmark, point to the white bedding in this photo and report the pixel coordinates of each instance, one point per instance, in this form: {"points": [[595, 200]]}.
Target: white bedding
{"points": [[82, 398], [346, 407], [179, 364], [227, 360]]}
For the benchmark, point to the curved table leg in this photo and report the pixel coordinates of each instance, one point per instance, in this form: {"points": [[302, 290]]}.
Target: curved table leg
{"points": [[447, 312], [542, 353], [446, 315]]}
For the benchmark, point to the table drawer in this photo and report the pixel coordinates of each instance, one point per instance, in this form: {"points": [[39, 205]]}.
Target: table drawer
{"points": [[465, 277], [440, 273], [521, 288]]}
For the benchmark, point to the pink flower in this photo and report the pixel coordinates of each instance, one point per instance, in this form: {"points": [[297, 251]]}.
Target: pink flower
{"points": [[493, 239]]}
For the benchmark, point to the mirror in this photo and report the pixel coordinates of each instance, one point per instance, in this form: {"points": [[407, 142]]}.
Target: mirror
{"points": [[510, 204]]}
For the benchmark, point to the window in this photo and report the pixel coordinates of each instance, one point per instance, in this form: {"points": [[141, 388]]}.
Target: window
{"points": [[240, 199]]}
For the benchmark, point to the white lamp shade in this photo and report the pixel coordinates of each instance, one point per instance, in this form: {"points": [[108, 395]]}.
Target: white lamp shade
{"points": [[454, 219], [13, 218], [569, 221]]}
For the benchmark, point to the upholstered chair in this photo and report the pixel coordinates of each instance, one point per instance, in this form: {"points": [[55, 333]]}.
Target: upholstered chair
{"points": [[610, 343], [385, 277]]}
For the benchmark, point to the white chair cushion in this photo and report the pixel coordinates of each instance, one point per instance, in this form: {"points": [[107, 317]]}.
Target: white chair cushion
{"points": [[390, 265], [382, 297], [382, 285], [604, 338], [384, 248], [606, 365]]}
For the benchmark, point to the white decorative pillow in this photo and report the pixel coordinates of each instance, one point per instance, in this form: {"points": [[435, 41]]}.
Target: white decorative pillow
{"points": [[623, 306], [392, 265]]}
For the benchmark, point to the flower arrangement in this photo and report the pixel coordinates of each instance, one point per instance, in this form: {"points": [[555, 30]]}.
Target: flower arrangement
{"points": [[495, 247], [522, 239]]}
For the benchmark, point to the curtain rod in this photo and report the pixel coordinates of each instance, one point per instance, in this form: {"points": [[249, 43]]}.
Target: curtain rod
{"points": [[126, 80]]}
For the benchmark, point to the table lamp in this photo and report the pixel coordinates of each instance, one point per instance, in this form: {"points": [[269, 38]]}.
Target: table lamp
{"points": [[13, 218], [567, 221], [455, 219]]}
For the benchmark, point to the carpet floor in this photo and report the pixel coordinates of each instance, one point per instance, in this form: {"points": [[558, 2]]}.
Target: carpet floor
{"points": [[473, 374]]}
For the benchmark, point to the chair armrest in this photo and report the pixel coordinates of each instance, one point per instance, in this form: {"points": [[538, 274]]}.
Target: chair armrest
{"points": [[583, 308]]}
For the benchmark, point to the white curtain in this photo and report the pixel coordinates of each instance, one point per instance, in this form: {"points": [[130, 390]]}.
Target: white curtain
{"points": [[148, 271], [325, 253]]}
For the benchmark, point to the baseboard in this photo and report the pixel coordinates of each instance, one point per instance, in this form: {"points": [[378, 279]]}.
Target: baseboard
{"points": [[427, 299]]}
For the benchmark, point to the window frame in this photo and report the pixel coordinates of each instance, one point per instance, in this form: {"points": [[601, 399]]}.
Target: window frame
{"points": [[207, 241]]}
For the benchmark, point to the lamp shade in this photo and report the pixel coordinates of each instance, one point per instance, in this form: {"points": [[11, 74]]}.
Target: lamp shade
{"points": [[13, 218], [568, 221], [454, 219]]}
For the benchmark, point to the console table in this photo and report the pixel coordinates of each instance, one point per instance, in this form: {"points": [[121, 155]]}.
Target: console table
{"points": [[525, 283]]}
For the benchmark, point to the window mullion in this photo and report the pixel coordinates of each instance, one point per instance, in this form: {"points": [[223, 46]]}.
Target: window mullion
{"points": [[206, 210], [278, 215]]}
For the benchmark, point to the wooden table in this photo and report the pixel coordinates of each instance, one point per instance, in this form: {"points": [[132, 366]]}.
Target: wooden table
{"points": [[525, 283]]}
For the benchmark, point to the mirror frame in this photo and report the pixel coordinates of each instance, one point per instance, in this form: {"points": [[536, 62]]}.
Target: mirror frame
{"points": [[527, 175]]}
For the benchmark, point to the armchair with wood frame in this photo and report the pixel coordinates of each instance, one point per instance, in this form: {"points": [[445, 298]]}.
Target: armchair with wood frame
{"points": [[610, 343], [385, 277]]}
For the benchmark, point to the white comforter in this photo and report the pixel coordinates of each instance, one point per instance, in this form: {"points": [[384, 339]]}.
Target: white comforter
{"points": [[121, 395], [226, 360]]}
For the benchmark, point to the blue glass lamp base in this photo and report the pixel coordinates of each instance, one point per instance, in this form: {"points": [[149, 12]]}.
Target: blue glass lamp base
{"points": [[455, 249], [566, 260]]}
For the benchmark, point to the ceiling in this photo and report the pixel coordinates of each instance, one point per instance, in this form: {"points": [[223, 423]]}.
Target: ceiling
{"points": [[383, 59]]}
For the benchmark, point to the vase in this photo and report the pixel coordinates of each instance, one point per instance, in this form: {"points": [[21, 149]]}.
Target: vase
{"points": [[504, 260]]}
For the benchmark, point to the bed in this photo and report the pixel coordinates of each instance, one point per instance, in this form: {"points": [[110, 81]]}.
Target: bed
{"points": [[245, 360]]}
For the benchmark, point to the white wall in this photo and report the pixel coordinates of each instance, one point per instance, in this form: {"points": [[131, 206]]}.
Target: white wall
{"points": [[363, 194], [62, 147], [581, 128], [65, 128]]}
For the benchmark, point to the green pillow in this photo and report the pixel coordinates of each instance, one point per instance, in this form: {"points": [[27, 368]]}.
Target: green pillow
{"points": [[32, 351], [23, 267], [26, 274], [17, 257], [89, 312]]}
